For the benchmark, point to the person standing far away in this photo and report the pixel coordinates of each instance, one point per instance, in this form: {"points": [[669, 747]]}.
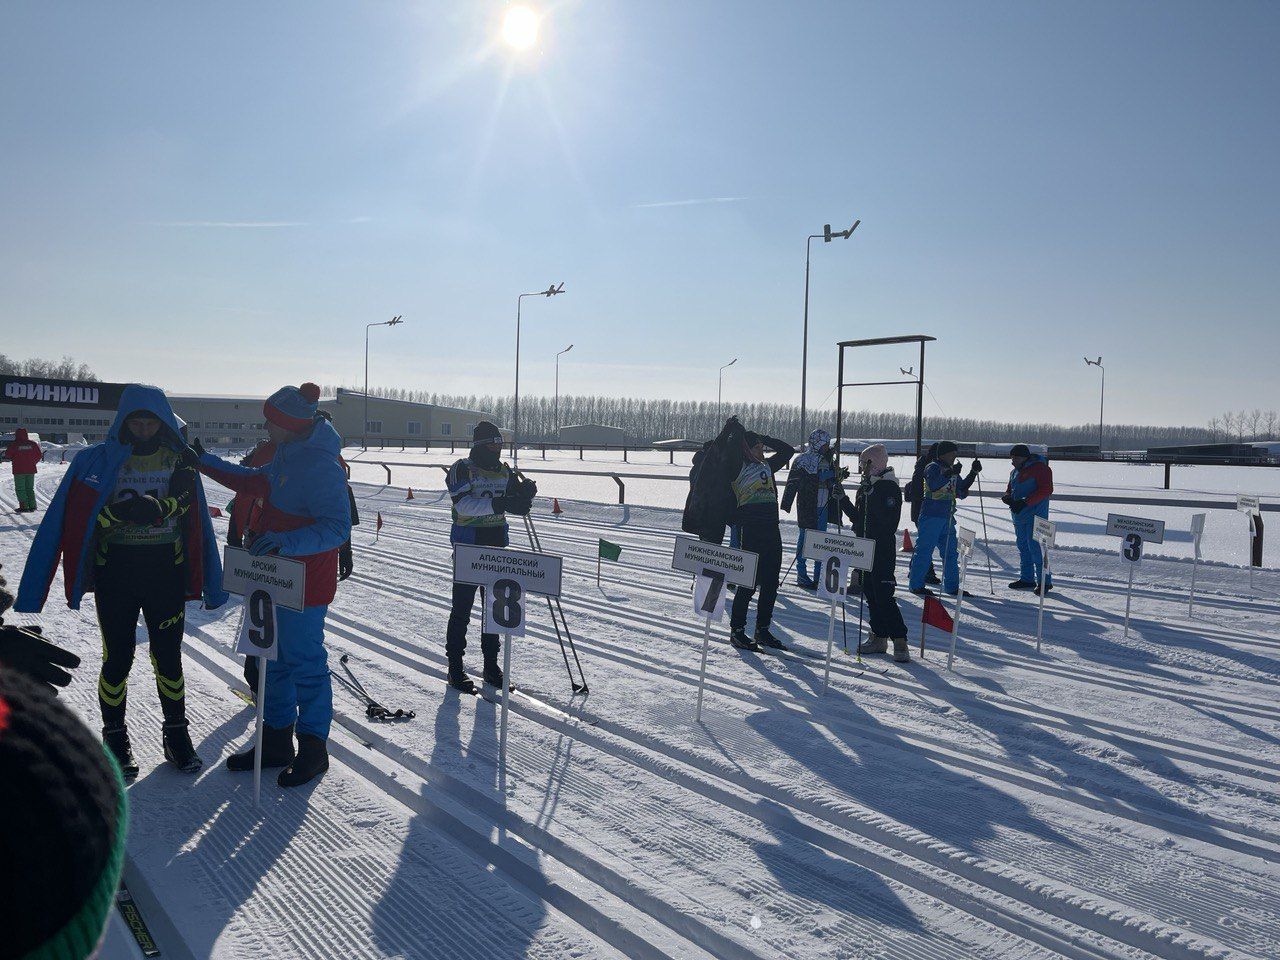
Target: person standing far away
{"points": [[132, 526], [24, 453], [876, 514], [941, 487], [483, 490], [812, 485], [756, 494], [304, 515], [914, 495], [1027, 496]]}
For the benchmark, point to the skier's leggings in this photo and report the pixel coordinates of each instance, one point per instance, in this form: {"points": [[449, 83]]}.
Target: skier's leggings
{"points": [[766, 540], [146, 581]]}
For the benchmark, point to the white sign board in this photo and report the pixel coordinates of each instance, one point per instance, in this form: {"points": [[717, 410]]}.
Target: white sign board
{"points": [[283, 579], [697, 556], [538, 573], [1131, 548], [1045, 531], [259, 629], [709, 596], [966, 537], [832, 577], [504, 607], [855, 553], [1197, 531], [1249, 505], [1118, 525]]}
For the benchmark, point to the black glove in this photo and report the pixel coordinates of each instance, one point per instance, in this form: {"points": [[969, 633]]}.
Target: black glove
{"points": [[975, 468], [1017, 505], [198, 447], [1007, 498], [345, 562], [139, 510], [954, 469], [24, 650], [188, 457], [520, 506]]}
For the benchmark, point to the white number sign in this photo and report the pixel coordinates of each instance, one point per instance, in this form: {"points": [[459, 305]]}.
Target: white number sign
{"points": [[259, 632], [1131, 548], [504, 608], [709, 595], [831, 583]]}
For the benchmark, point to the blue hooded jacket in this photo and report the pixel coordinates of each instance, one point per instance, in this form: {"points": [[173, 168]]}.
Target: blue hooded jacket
{"points": [[67, 529]]}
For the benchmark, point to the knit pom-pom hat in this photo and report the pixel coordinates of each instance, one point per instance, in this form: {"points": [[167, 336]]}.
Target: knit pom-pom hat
{"points": [[293, 408]]}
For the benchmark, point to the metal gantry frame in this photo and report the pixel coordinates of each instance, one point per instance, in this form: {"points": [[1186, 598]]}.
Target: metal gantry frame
{"points": [[919, 382]]}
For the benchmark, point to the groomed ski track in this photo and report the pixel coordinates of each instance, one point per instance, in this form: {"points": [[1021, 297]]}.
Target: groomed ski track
{"points": [[909, 813]]}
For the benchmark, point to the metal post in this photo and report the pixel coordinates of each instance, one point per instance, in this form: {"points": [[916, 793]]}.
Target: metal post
{"points": [[831, 640], [515, 429], [257, 737], [702, 671], [502, 730], [1044, 567], [804, 352], [920, 403], [1102, 403], [835, 460], [1128, 598], [364, 434]]}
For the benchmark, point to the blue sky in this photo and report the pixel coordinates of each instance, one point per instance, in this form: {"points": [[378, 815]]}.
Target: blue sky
{"points": [[218, 197]]}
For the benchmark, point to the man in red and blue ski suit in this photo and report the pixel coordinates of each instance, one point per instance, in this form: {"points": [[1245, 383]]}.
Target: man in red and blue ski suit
{"points": [[24, 453], [941, 488], [302, 512], [1030, 487]]}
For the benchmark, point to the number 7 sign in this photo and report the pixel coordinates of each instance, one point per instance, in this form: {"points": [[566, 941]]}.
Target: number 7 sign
{"points": [[708, 595]]}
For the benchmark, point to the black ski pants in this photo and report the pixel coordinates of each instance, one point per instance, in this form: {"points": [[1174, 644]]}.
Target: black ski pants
{"points": [[455, 641], [882, 607], [763, 538], [142, 581]]}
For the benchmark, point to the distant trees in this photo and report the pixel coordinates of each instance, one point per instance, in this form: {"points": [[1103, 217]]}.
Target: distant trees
{"points": [[1244, 425], [64, 369], [647, 420]]}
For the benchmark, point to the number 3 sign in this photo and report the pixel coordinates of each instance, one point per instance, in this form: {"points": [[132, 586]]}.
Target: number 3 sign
{"points": [[504, 608]]}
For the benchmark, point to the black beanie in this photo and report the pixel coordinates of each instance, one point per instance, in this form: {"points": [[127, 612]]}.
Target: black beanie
{"points": [[945, 447], [1020, 450], [486, 432], [63, 819], [752, 438]]}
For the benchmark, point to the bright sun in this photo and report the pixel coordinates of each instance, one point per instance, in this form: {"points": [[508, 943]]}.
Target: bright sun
{"points": [[520, 28]]}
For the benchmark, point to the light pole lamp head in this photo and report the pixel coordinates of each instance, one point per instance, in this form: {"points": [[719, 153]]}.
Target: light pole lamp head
{"points": [[394, 320], [552, 290], [826, 233]]}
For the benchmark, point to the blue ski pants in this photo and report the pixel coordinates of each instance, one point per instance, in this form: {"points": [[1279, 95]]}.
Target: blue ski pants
{"points": [[936, 533], [1028, 547], [299, 689]]}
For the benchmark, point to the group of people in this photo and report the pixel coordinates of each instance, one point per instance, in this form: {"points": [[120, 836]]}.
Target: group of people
{"points": [[732, 485]]}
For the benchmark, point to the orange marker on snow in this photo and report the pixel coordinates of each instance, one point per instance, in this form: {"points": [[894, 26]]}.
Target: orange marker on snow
{"points": [[410, 496], [907, 545], [555, 507]]}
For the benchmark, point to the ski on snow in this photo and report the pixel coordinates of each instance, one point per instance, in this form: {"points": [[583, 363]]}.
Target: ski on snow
{"points": [[133, 920]]}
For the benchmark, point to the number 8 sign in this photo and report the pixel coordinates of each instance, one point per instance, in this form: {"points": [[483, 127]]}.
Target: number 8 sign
{"points": [[504, 608]]}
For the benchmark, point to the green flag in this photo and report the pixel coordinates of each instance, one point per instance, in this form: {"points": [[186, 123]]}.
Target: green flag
{"points": [[609, 551]]}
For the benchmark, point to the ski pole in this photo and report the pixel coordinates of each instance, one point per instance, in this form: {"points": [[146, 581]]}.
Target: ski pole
{"points": [[554, 606], [991, 584]]}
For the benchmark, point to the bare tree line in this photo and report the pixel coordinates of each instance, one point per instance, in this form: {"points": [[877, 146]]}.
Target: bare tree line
{"points": [[1255, 424], [645, 421], [64, 369]]}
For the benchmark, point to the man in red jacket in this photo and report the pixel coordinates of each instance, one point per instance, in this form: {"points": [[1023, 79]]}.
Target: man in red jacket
{"points": [[24, 453]]}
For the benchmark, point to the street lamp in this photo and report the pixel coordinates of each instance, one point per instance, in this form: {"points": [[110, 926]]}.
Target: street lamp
{"points": [[565, 350], [827, 236], [364, 434], [1103, 399], [551, 291], [719, 387]]}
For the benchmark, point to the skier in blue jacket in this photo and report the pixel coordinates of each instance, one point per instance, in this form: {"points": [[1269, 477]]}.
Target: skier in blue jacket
{"points": [[937, 527], [132, 527], [1027, 496]]}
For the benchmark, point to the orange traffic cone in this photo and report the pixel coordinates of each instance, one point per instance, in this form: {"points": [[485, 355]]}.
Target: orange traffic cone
{"points": [[907, 545], [555, 507], [410, 496]]}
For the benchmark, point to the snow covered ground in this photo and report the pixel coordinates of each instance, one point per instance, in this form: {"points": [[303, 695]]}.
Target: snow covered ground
{"points": [[1109, 797]]}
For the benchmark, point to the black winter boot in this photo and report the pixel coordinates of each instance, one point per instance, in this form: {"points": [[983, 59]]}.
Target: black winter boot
{"points": [[116, 739], [311, 761], [178, 749], [277, 750], [493, 675], [458, 678], [738, 638], [766, 639]]}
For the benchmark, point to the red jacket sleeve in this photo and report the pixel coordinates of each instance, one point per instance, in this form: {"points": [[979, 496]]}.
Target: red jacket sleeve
{"points": [[1043, 475]]}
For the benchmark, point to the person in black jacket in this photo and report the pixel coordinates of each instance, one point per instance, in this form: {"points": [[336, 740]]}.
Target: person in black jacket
{"points": [[710, 503], [814, 486], [914, 495], [877, 512], [756, 497]]}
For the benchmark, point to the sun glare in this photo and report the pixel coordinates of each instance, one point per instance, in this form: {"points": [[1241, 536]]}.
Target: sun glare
{"points": [[520, 28]]}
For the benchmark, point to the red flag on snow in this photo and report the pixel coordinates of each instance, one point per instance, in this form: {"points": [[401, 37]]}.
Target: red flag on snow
{"points": [[935, 615], [379, 527]]}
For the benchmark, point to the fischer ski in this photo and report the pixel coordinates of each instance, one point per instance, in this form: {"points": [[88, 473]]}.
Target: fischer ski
{"points": [[133, 920]]}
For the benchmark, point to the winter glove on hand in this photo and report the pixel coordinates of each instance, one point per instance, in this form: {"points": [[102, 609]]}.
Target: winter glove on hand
{"points": [[1007, 498], [264, 544], [345, 562], [24, 650], [975, 468], [520, 506], [954, 469], [1017, 505], [145, 510], [198, 447], [189, 457]]}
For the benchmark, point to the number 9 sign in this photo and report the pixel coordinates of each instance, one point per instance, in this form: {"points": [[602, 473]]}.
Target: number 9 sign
{"points": [[504, 608], [1131, 548], [259, 633]]}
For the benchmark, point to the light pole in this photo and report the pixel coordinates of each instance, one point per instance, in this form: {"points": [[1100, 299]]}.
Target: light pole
{"points": [[364, 434], [827, 236], [551, 291], [719, 388], [565, 350], [1103, 399]]}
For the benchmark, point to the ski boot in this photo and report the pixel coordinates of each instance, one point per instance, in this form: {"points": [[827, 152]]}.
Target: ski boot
{"points": [[458, 678], [766, 639], [116, 739], [805, 584], [738, 638], [1036, 588], [177, 747], [922, 592], [900, 654], [1021, 584], [953, 593], [493, 675], [311, 761], [277, 750], [874, 644], [931, 578]]}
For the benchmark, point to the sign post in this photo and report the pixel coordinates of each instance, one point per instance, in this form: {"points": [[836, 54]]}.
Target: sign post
{"points": [[1046, 534], [713, 566], [839, 555], [265, 582], [965, 539], [1197, 531], [1134, 534], [1253, 507], [507, 577]]}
